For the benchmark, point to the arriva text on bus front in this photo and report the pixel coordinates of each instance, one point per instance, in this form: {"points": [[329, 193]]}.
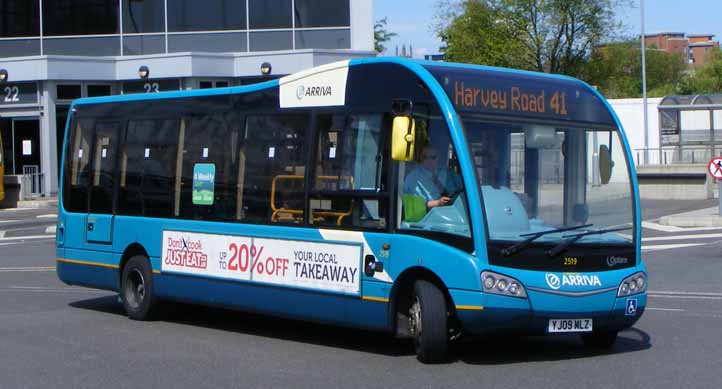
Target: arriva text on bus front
{"points": [[512, 99]]}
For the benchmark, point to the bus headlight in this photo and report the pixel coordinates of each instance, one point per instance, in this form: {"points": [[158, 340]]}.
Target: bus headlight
{"points": [[503, 285], [636, 283]]}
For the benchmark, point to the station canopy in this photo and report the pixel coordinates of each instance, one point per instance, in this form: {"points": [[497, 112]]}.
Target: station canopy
{"points": [[692, 102]]}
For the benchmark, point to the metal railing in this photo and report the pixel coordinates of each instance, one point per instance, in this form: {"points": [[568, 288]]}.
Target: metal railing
{"points": [[684, 154], [32, 182]]}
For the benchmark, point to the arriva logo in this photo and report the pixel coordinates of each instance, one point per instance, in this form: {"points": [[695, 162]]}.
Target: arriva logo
{"points": [[300, 91], [555, 282]]}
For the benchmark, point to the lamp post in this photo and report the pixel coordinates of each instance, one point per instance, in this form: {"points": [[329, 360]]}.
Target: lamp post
{"points": [[644, 85]]}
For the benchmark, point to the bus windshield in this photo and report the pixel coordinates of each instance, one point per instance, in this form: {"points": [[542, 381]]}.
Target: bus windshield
{"points": [[537, 177]]}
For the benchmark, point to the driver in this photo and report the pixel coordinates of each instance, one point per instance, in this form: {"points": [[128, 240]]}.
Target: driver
{"points": [[430, 182]]}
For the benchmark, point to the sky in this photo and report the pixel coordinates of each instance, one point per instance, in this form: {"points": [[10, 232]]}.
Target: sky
{"points": [[413, 20]]}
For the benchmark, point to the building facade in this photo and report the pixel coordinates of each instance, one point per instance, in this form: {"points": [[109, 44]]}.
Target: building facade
{"points": [[54, 51], [693, 48]]}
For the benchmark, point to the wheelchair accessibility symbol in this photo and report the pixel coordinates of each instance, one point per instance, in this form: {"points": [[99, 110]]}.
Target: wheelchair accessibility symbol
{"points": [[631, 307]]}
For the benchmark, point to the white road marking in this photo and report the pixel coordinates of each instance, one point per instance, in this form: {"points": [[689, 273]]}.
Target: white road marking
{"points": [[26, 269], [665, 309], [669, 246], [28, 237], [49, 215], [681, 237], [660, 227], [667, 296], [51, 290], [663, 228], [684, 293], [50, 230], [2, 234]]}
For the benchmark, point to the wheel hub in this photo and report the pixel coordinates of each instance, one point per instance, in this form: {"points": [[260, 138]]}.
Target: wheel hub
{"points": [[415, 318], [135, 291]]}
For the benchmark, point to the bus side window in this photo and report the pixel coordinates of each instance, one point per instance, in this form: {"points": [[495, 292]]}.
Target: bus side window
{"points": [[349, 172], [147, 168], [209, 167], [431, 190], [274, 152], [77, 166], [103, 167]]}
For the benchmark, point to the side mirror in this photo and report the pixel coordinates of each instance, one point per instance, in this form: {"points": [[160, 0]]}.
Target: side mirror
{"points": [[605, 164], [403, 137]]}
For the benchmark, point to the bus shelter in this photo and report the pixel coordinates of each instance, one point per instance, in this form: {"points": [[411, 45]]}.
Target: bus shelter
{"points": [[690, 128]]}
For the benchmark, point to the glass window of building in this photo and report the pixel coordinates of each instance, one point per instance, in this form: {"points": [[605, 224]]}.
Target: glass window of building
{"points": [[69, 92], [271, 40], [99, 90], [143, 16], [143, 44], [322, 13], [80, 17], [210, 42], [323, 39], [206, 15], [267, 14], [19, 18]]}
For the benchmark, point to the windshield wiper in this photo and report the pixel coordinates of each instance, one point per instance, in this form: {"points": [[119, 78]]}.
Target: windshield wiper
{"points": [[516, 247], [563, 245]]}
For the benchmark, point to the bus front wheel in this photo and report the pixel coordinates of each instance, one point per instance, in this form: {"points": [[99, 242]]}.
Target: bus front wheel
{"points": [[428, 322], [136, 289]]}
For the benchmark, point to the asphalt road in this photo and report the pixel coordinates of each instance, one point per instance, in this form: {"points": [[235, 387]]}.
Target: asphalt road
{"points": [[54, 335]]}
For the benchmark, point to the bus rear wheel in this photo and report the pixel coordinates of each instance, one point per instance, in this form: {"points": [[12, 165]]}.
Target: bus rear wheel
{"points": [[136, 290], [428, 322]]}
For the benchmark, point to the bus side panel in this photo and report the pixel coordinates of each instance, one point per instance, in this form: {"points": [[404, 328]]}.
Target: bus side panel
{"points": [[265, 299], [372, 310], [262, 298], [94, 269], [457, 269]]}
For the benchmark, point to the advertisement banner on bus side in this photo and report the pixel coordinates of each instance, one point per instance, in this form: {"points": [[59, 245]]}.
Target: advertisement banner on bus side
{"points": [[329, 267]]}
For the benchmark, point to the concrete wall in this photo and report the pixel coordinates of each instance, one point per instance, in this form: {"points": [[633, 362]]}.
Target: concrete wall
{"points": [[631, 114]]}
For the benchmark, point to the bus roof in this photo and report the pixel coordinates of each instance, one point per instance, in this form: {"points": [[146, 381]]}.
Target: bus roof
{"points": [[470, 88]]}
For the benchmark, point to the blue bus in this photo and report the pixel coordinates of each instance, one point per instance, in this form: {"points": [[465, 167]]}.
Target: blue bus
{"points": [[428, 200]]}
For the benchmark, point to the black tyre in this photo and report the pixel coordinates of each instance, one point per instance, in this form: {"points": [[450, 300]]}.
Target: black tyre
{"points": [[428, 322], [136, 289], [600, 340]]}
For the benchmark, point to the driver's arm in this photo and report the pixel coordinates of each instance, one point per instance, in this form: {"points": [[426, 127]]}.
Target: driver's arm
{"points": [[441, 201]]}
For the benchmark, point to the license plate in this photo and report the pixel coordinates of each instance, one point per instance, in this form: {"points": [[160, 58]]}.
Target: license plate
{"points": [[570, 325]]}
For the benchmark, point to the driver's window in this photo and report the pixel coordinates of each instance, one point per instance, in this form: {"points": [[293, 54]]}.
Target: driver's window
{"points": [[431, 194]]}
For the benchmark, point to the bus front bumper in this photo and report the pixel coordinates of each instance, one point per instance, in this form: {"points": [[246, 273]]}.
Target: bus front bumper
{"points": [[532, 315]]}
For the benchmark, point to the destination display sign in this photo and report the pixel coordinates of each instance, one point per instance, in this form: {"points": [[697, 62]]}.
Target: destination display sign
{"points": [[496, 92]]}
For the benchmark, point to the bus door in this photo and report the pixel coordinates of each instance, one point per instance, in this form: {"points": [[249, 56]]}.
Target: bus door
{"points": [[99, 221], [349, 196]]}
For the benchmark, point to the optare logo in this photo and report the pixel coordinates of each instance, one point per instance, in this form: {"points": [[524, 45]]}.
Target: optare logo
{"points": [[614, 261], [553, 281], [300, 92]]}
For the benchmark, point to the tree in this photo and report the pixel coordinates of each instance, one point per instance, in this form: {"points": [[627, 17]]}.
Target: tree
{"points": [[480, 34], [555, 36], [381, 35], [616, 69], [705, 80]]}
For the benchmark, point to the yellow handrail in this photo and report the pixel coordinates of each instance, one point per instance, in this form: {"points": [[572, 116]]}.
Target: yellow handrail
{"points": [[293, 213]]}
